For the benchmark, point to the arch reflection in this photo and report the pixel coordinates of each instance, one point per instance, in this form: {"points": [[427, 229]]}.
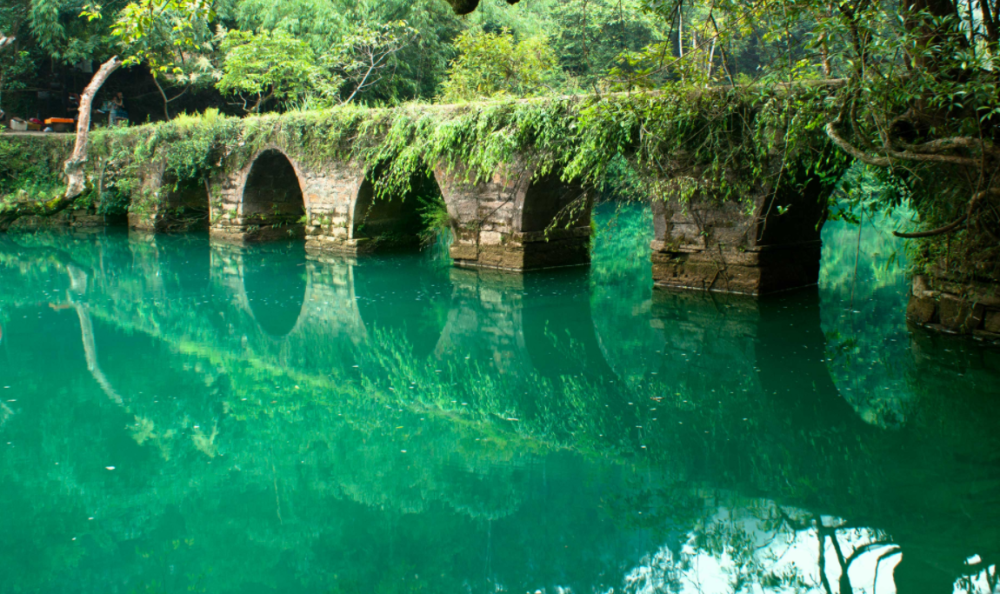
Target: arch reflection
{"points": [[275, 284]]}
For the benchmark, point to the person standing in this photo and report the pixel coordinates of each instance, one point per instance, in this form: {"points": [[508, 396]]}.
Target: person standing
{"points": [[117, 110]]}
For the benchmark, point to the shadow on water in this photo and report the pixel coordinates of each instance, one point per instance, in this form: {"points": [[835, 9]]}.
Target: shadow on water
{"points": [[188, 269], [790, 337], [558, 326]]}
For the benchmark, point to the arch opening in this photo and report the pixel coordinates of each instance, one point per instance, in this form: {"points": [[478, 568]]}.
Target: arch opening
{"points": [[396, 222], [552, 204], [273, 206], [554, 223]]}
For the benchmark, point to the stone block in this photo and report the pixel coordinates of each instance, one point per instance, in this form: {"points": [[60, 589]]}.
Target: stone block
{"points": [[958, 314], [490, 238], [991, 321], [465, 252], [921, 310]]}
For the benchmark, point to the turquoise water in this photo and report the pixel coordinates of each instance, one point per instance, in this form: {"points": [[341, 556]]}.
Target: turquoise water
{"points": [[180, 416]]}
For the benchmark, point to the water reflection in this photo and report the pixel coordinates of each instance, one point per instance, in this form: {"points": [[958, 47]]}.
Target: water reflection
{"points": [[188, 416]]}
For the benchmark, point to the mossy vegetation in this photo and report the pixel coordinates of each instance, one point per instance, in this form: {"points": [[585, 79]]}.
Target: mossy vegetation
{"points": [[716, 142]]}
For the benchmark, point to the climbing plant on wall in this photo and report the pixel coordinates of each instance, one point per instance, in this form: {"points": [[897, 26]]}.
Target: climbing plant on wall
{"points": [[679, 144]]}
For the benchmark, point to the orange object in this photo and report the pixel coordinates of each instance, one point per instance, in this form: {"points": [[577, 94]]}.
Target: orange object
{"points": [[59, 121]]}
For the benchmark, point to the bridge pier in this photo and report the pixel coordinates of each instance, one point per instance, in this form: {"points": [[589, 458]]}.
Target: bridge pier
{"points": [[766, 244], [515, 222]]}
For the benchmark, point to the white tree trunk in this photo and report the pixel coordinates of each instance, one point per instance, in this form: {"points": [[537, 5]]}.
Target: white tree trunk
{"points": [[75, 176]]}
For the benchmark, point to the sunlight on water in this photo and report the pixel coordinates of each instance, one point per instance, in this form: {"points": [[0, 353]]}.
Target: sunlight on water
{"points": [[178, 415]]}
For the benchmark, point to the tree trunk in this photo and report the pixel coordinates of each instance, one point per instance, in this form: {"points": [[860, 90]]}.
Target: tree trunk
{"points": [[680, 31], [74, 166], [163, 95]]}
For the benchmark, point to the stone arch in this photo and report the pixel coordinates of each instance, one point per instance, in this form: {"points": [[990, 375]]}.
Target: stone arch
{"points": [[768, 241], [549, 202], [516, 221], [553, 218], [272, 199], [186, 204], [394, 222]]}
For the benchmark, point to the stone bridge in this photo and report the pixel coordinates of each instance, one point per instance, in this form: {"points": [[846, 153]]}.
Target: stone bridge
{"points": [[514, 221]]}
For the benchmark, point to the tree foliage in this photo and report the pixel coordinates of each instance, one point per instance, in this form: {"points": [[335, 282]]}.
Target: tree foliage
{"points": [[172, 38], [259, 67], [267, 66], [494, 65]]}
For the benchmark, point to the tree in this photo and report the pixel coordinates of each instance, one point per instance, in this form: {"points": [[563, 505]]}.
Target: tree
{"points": [[273, 66], [269, 65], [68, 39], [495, 64], [370, 53], [591, 36], [14, 60], [173, 45]]}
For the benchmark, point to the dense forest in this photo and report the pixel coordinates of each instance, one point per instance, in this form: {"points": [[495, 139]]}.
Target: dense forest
{"points": [[262, 56]]}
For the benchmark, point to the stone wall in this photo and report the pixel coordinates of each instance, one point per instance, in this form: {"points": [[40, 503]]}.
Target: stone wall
{"points": [[941, 302], [161, 205], [269, 197], [78, 221]]}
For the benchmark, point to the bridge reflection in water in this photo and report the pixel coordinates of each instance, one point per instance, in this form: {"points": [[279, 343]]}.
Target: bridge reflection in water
{"points": [[250, 420]]}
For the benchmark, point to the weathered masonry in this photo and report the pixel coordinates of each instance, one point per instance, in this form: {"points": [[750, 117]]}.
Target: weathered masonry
{"points": [[767, 244], [515, 219], [512, 221], [516, 222]]}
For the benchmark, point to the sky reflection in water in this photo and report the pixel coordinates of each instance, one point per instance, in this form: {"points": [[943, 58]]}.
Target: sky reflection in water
{"points": [[178, 416]]}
